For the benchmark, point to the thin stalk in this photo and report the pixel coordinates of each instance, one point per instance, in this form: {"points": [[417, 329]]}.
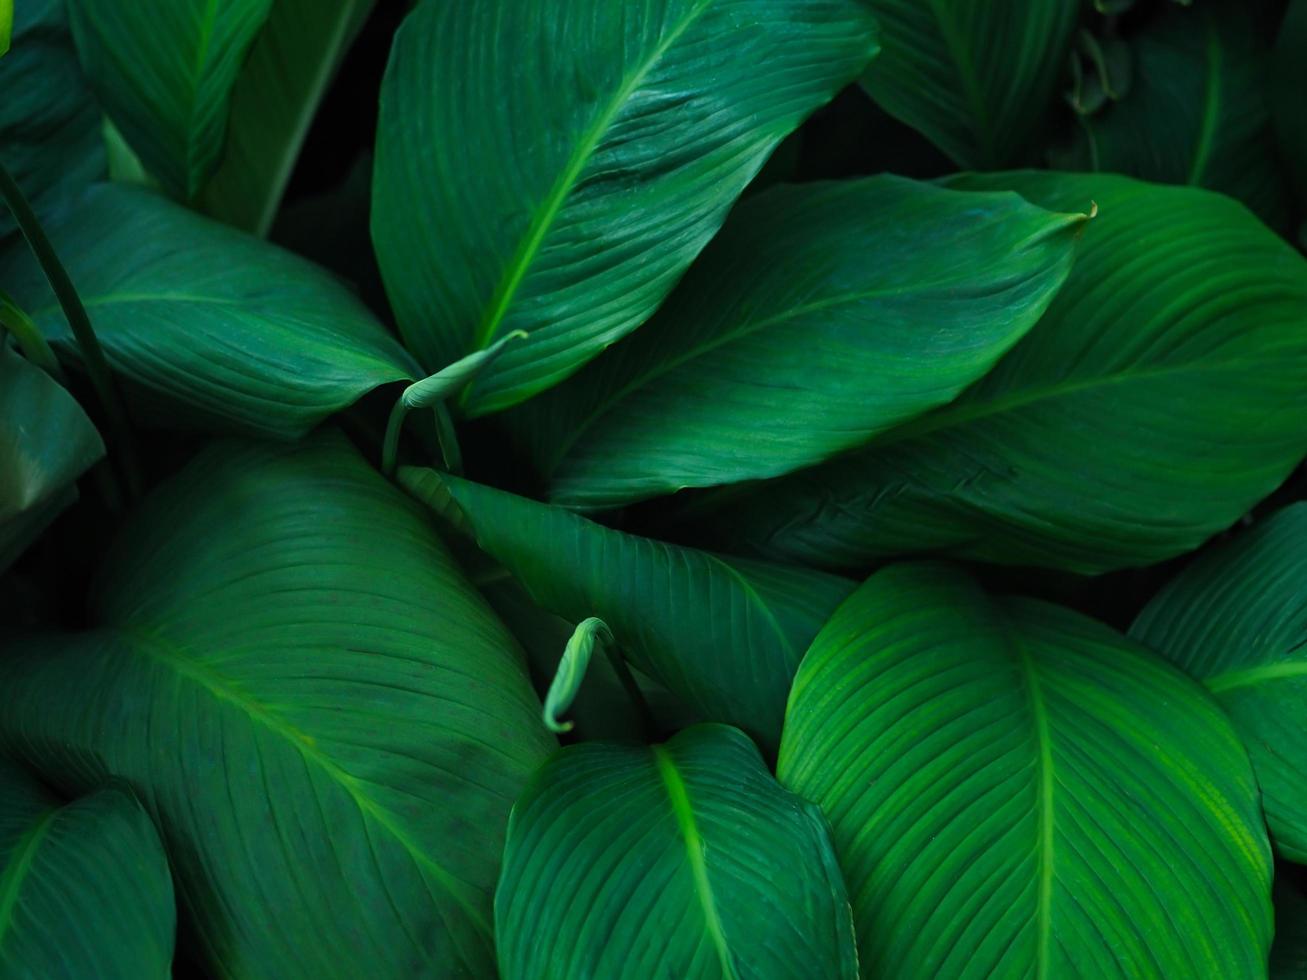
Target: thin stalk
{"points": [[632, 687]]}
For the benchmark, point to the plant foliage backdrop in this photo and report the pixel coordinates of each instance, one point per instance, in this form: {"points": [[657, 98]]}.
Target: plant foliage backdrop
{"points": [[743, 489]]}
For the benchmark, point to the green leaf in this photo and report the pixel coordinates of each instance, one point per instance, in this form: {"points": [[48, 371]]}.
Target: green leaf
{"points": [[1196, 112], [725, 635], [6, 24], [326, 721], [220, 329], [1236, 619], [590, 635], [84, 886], [974, 76], [46, 443], [274, 99], [1288, 82], [49, 122], [164, 71], [1162, 395], [681, 860], [555, 167], [820, 316], [1016, 790]]}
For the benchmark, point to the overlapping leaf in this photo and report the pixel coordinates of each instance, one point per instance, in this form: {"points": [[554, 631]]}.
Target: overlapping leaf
{"points": [[1237, 621], [974, 76], [164, 71], [680, 860], [555, 167], [222, 330], [820, 316], [325, 719], [1016, 790], [1162, 395], [84, 886], [725, 635]]}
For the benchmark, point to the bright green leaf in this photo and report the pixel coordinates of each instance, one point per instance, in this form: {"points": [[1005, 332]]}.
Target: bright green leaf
{"points": [[725, 635], [164, 71], [1162, 395], [84, 886], [554, 167], [820, 316], [326, 721], [6, 24], [974, 76], [224, 330], [1016, 790], [682, 860]]}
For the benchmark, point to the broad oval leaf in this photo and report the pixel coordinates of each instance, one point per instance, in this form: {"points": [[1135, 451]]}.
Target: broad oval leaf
{"points": [[164, 71], [326, 721], [821, 315], [224, 330], [974, 76], [724, 634], [1236, 619], [84, 886], [1162, 395], [683, 860], [555, 167], [1016, 790]]}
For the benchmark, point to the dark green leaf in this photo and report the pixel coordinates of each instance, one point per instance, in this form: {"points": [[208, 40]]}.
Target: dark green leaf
{"points": [[325, 719], [554, 167], [1016, 790], [682, 860]]}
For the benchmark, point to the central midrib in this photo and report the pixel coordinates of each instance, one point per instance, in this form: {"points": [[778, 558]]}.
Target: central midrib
{"points": [[20, 864], [1039, 716]]}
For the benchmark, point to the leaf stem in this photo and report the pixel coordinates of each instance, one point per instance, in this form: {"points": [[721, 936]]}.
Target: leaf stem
{"points": [[632, 687]]}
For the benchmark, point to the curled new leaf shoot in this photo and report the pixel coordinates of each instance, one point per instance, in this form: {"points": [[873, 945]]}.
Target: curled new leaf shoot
{"points": [[589, 634], [432, 392]]}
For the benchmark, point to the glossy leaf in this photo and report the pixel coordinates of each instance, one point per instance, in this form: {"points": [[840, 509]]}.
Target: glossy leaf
{"points": [[1162, 395], [679, 860], [820, 316], [725, 635], [223, 330], [598, 147], [274, 100], [1236, 619], [326, 721], [164, 71], [1016, 790], [84, 886], [974, 76]]}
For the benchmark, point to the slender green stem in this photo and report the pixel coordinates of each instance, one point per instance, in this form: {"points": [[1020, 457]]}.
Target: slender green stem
{"points": [[448, 439], [390, 445], [632, 688], [97, 367]]}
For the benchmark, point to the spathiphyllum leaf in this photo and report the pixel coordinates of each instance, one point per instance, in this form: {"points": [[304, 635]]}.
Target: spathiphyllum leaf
{"points": [[725, 635], [164, 71], [220, 329], [1236, 619], [682, 860], [1162, 394], [1016, 790], [554, 167], [326, 721], [820, 316], [974, 76], [84, 886]]}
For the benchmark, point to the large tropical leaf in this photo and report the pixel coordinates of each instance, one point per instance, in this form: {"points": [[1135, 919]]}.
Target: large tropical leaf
{"points": [[50, 138], [679, 860], [326, 721], [1236, 620], [84, 886], [1016, 790], [974, 76], [164, 71], [46, 443], [225, 330], [725, 635], [272, 104], [1196, 112], [555, 167], [1162, 394], [820, 316]]}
